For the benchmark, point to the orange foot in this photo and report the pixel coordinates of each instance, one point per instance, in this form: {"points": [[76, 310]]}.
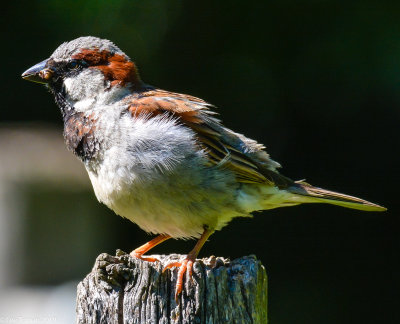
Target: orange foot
{"points": [[187, 264], [184, 266], [134, 254], [138, 253]]}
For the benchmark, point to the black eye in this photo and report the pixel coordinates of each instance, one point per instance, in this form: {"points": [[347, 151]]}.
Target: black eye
{"points": [[73, 65]]}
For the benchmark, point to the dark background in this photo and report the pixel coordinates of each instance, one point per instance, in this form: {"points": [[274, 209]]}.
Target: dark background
{"points": [[316, 81]]}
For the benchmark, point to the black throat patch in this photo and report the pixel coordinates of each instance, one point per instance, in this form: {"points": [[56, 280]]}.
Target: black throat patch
{"points": [[79, 128], [79, 135]]}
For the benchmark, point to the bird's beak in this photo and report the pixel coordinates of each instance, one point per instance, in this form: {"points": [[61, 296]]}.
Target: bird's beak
{"points": [[38, 73]]}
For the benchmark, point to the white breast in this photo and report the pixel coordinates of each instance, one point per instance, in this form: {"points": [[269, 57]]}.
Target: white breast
{"points": [[151, 172]]}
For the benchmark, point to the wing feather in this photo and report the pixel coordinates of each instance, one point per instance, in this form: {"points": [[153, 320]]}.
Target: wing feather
{"points": [[221, 152]]}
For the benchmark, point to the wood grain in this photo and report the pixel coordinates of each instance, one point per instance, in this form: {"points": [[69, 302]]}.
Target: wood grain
{"points": [[121, 289]]}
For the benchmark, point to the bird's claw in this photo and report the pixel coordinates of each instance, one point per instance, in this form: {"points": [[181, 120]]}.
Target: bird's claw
{"points": [[184, 266]]}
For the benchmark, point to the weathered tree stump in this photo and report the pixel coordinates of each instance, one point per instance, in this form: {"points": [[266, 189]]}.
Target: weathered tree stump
{"points": [[121, 289]]}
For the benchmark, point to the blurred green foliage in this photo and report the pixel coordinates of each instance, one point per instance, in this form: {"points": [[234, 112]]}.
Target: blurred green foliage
{"points": [[316, 81]]}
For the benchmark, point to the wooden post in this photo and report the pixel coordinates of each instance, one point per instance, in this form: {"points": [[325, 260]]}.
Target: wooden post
{"points": [[121, 289]]}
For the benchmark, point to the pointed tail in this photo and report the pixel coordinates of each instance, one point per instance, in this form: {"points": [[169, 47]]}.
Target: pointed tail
{"points": [[306, 193]]}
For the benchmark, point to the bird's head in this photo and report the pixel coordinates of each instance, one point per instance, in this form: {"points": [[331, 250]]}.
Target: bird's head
{"points": [[84, 69]]}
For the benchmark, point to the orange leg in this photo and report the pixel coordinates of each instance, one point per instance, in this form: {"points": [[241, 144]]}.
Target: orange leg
{"points": [[138, 253], [187, 263]]}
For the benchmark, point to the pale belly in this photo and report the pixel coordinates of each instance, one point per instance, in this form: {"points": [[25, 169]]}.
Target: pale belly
{"points": [[179, 204]]}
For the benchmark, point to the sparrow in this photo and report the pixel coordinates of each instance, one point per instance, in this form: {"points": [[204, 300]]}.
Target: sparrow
{"points": [[162, 159]]}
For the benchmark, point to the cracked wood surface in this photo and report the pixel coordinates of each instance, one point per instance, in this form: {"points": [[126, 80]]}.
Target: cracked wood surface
{"points": [[121, 289]]}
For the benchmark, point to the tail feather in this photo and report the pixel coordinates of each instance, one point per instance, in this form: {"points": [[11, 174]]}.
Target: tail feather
{"points": [[306, 193]]}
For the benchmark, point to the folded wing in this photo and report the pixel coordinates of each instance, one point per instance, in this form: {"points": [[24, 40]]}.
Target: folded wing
{"points": [[244, 157]]}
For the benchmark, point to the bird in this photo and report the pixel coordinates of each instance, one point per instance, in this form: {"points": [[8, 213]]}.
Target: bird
{"points": [[162, 159]]}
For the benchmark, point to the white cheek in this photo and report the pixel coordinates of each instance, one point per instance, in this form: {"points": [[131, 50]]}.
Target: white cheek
{"points": [[85, 104], [69, 87], [84, 87]]}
